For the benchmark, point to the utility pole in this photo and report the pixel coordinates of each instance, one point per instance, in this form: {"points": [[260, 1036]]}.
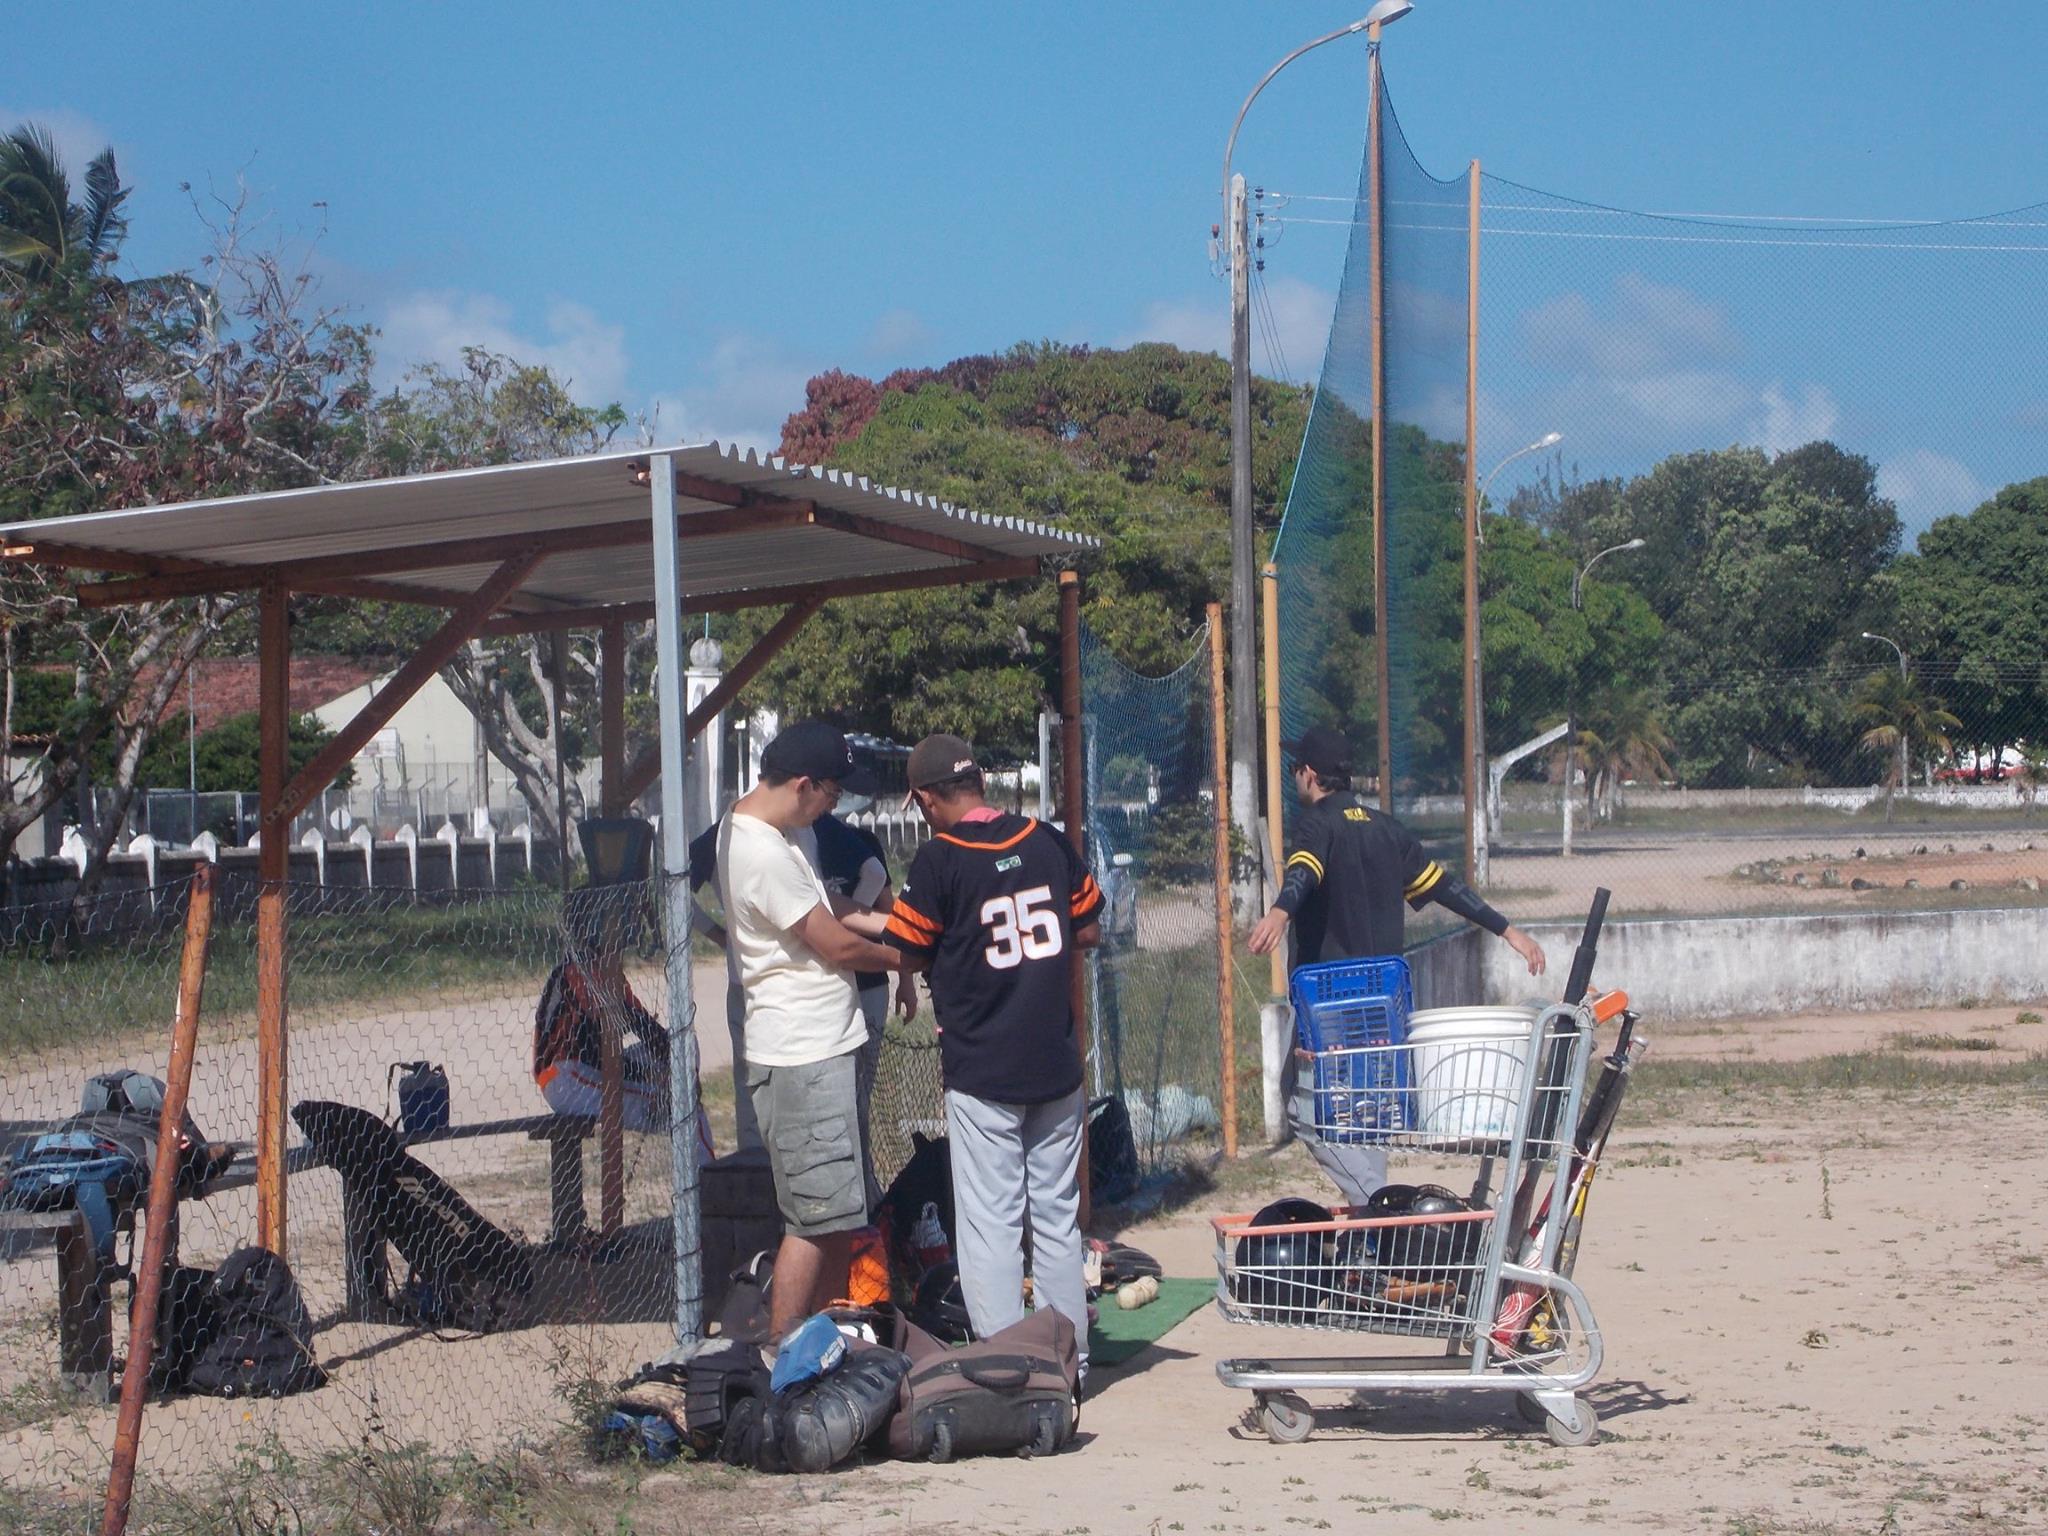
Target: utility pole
{"points": [[1244, 732]]}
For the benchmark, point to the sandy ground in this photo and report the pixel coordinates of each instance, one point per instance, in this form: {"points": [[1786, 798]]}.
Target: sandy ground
{"points": [[1809, 1313]]}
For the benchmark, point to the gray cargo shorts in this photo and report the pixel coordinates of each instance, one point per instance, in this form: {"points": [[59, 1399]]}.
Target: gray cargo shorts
{"points": [[810, 1123]]}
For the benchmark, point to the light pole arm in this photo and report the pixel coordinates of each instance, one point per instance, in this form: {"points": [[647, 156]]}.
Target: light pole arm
{"points": [[1230, 147]]}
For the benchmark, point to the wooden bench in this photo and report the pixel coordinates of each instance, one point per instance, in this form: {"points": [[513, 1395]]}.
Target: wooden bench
{"points": [[85, 1302]]}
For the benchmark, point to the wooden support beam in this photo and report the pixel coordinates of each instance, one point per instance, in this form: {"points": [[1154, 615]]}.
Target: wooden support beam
{"points": [[611, 715], [233, 577], [647, 766], [461, 625], [274, 638], [1016, 569], [1074, 812], [440, 555], [906, 538]]}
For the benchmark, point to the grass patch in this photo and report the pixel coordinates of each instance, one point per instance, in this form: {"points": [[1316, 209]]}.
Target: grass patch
{"points": [[1668, 1087], [1922, 1040]]}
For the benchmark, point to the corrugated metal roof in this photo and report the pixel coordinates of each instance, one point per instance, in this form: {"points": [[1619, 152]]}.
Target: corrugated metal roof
{"points": [[558, 496]]}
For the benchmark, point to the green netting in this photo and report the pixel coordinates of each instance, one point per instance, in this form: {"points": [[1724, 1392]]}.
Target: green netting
{"points": [[1151, 838], [1325, 548]]}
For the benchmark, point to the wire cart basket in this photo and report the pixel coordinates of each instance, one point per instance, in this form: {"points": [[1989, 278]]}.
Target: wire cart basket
{"points": [[1493, 1281]]}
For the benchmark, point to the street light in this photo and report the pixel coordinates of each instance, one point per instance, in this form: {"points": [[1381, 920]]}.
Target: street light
{"points": [[1244, 773], [1571, 728], [1904, 678], [1486, 821]]}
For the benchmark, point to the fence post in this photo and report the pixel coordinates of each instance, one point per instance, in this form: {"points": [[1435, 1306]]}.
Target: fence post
{"points": [[366, 839], [163, 1203]]}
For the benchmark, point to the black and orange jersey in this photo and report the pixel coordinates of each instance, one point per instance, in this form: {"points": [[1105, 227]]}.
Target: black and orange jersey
{"points": [[994, 906], [1349, 868]]}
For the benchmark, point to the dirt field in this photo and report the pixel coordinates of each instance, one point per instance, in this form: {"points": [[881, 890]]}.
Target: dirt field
{"points": [[1807, 1291]]}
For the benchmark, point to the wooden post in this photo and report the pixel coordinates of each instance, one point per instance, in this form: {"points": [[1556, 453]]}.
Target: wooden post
{"points": [[272, 865], [1226, 1001], [1275, 794], [163, 1202], [1374, 161], [1475, 767], [1074, 811]]}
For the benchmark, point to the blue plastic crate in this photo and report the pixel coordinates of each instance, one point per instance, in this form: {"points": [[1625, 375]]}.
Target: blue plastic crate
{"points": [[1340, 1008]]}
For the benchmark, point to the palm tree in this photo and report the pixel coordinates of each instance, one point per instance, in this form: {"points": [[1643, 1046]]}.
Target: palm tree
{"points": [[1894, 709], [42, 231], [2032, 771], [1623, 737]]}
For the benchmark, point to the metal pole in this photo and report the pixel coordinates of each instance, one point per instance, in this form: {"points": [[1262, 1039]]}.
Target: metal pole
{"points": [[675, 890], [191, 756], [1475, 754], [163, 1202], [1226, 1002], [1275, 797], [1074, 811], [1374, 159], [1243, 619]]}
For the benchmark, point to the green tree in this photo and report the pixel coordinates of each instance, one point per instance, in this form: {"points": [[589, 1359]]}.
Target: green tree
{"points": [[229, 756], [1623, 737], [42, 230], [1889, 710], [1972, 600]]}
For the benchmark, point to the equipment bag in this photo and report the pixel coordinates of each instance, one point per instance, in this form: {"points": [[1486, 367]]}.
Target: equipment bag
{"points": [[262, 1341], [186, 1320], [1016, 1391], [1112, 1149], [825, 1421]]}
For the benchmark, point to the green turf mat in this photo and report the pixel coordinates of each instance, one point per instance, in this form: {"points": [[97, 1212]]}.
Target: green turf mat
{"points": [[1118, 1335]]}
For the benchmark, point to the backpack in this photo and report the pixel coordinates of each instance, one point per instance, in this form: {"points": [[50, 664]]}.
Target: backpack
{"points": [[1015, 1391], [1112, 1149], [186, 1319], [261, 1344], [916, 1213]]}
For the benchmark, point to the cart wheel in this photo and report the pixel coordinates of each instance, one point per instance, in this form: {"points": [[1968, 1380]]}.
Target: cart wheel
{"points": [[1285, 1418], [1585, 1432]]}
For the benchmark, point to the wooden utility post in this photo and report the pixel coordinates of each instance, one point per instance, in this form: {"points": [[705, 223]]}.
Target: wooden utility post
{"points": [[1377, 192], [1475, 751], [609, 974], [1074, 811], [1226, 1002], [272, 865]]}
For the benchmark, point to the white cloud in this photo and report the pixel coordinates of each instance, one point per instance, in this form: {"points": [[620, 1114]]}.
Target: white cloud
{"points": [[77, 137], [1638, 329], [578, 346], [1927, 485], [742, 395], [1300, 326], [1787, 423], [898, 333]]}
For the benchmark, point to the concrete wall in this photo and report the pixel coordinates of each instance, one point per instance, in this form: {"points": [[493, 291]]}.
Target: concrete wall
{"points": [[1722, 967]]}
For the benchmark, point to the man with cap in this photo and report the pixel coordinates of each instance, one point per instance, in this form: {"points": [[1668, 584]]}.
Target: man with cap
{"points": [[803, 1029], [1348, 871], [994, 907]]}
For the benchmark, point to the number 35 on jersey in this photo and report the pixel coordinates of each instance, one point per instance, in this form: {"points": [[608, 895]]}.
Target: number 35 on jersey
{"points": [[1020, 927]]}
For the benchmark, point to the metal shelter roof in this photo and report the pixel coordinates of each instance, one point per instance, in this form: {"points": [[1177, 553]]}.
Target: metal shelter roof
{"points": [[754, 530]]}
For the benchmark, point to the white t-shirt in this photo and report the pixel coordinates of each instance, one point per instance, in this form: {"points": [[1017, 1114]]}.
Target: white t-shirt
{"points": [[799, 1009]]}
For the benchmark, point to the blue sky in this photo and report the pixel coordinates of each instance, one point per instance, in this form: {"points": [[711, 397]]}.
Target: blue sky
{"points": [[695, 208]]}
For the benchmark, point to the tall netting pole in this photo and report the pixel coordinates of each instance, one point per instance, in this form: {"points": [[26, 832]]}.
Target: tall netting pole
{"points": [[687, 1216], [1475, 750], [1375, 160]]}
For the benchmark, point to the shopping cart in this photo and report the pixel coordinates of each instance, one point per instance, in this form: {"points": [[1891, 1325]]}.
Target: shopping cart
{"points": [[1494, 1284]]}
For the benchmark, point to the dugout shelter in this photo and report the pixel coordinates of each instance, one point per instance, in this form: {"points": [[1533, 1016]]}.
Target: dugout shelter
{"points": [[593, 542]]}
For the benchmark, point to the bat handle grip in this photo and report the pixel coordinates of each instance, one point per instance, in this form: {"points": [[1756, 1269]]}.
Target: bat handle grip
{"points": [[1589, 945]]}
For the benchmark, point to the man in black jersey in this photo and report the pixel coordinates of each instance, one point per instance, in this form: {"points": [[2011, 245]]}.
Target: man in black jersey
{"points": [[1349, 870], [994, 907]]}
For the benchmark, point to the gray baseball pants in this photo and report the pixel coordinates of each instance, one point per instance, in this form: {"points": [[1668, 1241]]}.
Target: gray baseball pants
{"points": [[1017, 1166]]}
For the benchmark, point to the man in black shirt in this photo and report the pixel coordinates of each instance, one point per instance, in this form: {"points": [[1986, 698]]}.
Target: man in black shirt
{"points": [[995, 907], [1349, 870]]}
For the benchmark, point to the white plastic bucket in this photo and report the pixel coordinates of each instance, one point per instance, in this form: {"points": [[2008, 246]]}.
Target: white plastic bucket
{"points": [[1469, 1065]]}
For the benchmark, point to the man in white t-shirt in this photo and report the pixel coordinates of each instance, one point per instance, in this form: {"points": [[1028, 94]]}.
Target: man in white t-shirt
{"points": [[804, 1027]]}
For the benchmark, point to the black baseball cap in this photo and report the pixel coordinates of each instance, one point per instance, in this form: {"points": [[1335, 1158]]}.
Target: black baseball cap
{"points": [[1322, 748], [938, 758], [812, 749]]}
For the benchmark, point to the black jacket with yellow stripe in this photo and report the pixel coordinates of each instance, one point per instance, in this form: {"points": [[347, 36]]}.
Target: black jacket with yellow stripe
{"points": [[1349, 869]]}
